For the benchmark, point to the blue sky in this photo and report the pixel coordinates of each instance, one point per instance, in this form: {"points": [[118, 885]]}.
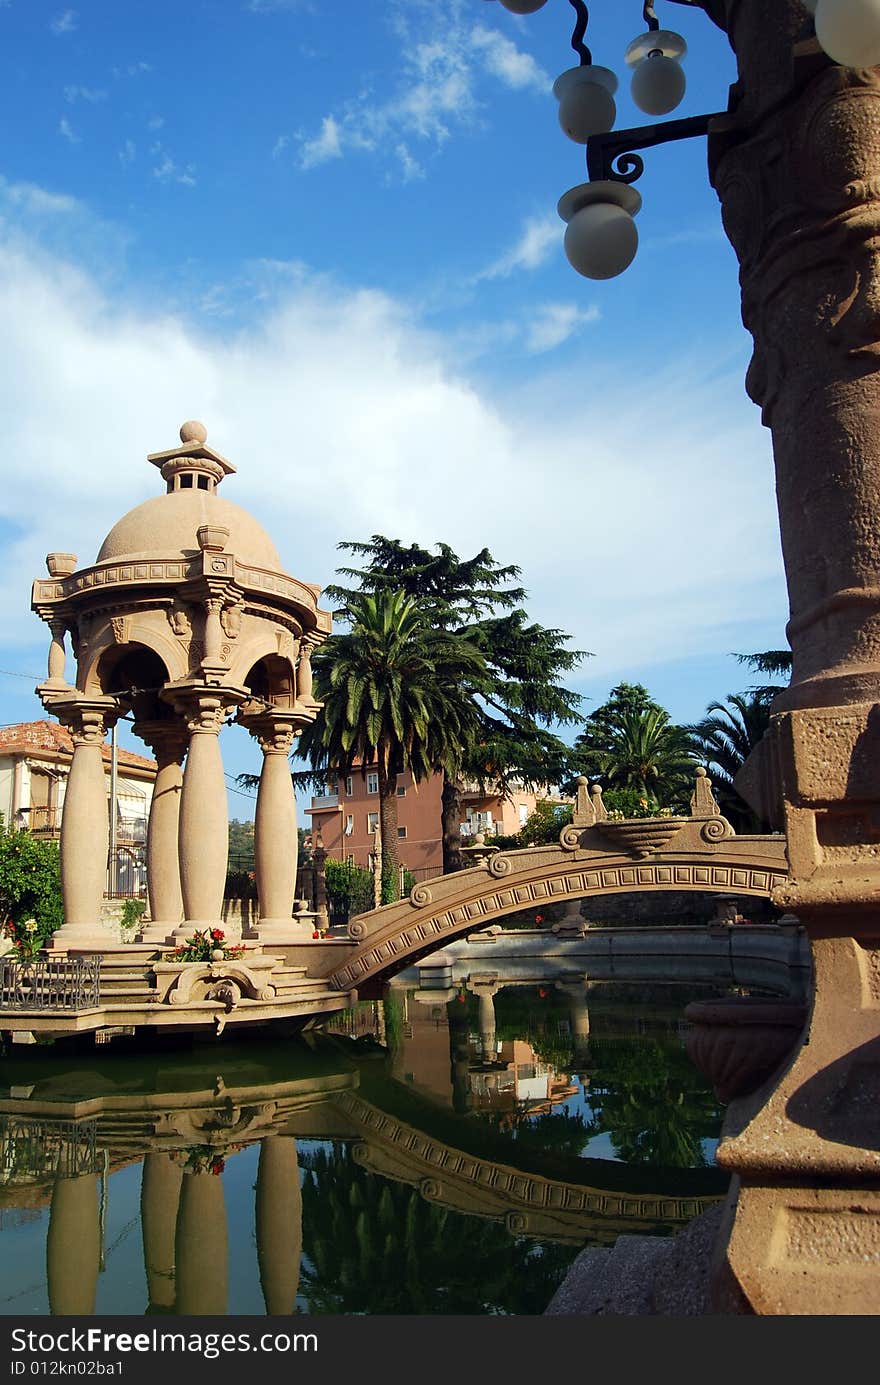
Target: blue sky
{"points": [[329, 231]]}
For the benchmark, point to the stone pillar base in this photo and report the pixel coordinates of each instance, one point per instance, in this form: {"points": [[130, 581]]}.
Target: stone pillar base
{"points": [[293, 930]]}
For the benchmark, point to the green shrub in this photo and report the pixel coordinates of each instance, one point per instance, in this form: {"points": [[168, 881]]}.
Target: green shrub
{"points": [[349, 889], [133, 911], [240, 884], [31, 906]]}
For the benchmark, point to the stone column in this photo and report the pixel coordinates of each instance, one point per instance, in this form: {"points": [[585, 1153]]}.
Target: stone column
{"points": [[486, 990], [167, 740], [795, 166], [203, 831], [201, 1248], [575, 992], [160, 1195], [85, 824], [73, 1246], [319, 857], [279, 1223], [275, 834]]}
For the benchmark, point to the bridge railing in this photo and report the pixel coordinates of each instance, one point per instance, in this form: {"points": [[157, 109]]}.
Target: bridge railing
{"points": [[48, 984]]}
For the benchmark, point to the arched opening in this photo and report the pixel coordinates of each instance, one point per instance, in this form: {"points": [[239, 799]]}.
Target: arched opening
{"points": [[272, 678], [139, 673]]}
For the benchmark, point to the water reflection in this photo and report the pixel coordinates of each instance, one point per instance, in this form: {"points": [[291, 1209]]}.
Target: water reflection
{"points": [[438, 1153]]}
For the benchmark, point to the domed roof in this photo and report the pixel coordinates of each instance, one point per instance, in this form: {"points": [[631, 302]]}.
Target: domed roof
{"points": [[165, 527]]}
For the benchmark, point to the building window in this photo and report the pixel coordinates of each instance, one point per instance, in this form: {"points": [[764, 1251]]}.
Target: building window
{"points": [[401, 832], [372, 783], [349, 825], [350, 858], [523, 814], [372, 821], [401, 791], [349, 787]]}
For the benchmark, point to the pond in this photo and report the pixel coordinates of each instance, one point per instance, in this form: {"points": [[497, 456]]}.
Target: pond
{"points": [[416, 1155]]}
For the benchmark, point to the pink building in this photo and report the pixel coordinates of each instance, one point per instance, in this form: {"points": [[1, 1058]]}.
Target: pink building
{"points": [[348, 811]]}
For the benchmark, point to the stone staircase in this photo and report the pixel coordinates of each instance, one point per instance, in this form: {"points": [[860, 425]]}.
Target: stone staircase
{"points": [[129, 996]]}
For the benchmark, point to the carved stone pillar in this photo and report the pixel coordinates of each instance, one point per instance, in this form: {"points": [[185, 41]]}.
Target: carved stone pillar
{"points": [[485, 989], [279, 1223], [575, 991], [201, 1249], [203, 832], [319, 857], [167, 741], [160, 1194], [73, 1246], [275, 834], [85, 823], [57, 655], [796, 167]]}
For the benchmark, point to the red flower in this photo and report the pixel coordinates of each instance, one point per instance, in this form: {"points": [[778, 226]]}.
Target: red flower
{"points": [[539, 918], [316, 934], [218, 935], [542, 993]]}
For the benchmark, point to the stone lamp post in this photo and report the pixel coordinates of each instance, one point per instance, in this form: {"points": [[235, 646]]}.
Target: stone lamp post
{"points": [[796, 164], [185, 619]]}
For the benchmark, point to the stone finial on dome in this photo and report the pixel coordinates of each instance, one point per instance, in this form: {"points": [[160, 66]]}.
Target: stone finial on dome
{"points": [[193, 431], [192, 465]]}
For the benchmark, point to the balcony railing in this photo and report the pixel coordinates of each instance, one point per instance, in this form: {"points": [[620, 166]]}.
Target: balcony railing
{"points": [[69, 984], [326, 800]]}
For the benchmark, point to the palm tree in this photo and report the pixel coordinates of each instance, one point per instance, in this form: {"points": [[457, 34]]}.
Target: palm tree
{"points": [[725, 737], [397, 694], [630, 743]]}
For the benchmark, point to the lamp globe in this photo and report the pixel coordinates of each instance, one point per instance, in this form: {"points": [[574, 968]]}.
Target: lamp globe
{"points": [[601, 240]]}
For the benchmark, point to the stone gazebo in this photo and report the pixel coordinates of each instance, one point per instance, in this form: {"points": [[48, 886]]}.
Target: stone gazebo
{"points": [[186, 619]]}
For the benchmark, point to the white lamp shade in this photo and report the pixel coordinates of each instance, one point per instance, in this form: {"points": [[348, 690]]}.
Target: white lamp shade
{"points": [[523, 6], [587, 109], [849, 31], [586, 101], [601, 240], [658, 85]]}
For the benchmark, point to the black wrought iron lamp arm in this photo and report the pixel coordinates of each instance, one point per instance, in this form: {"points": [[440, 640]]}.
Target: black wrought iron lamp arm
{"points": [[618, 147]]}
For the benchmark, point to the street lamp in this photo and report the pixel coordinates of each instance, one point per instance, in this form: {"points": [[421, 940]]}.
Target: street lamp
{"points": [[601, 238], [795, 161]]}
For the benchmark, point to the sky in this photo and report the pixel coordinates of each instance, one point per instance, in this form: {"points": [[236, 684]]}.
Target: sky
{"points": [[329, 231]]}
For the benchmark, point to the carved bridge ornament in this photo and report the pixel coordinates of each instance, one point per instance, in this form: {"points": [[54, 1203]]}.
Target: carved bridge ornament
{"points": [[528, 1205], [394, 936]]}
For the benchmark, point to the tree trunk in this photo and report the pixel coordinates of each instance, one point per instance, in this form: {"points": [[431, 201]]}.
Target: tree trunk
{"points": [[451, 819], [388, 824]]}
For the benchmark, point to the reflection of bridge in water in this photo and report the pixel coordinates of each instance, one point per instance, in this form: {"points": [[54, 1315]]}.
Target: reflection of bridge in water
{"points": [[62, 1133]]}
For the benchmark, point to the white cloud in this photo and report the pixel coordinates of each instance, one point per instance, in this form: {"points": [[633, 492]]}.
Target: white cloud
{"points": [[539, 238], [629, 510], [65, 22], [554, 323], [66, 129], [507, 62], [92, 95], [437, 92], [280, 145], [128, 153], [167, 171], [324, 146]]}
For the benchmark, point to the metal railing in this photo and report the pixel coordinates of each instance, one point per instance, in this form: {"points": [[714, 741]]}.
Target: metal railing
{"points": [[68, 984], [33, 1149]]}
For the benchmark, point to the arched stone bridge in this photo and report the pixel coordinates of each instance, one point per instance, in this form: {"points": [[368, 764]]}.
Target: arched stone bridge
{"points": [[595, 856]]}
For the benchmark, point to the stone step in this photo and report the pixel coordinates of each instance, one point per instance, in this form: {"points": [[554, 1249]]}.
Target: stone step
{"points": [[612, 1283]]}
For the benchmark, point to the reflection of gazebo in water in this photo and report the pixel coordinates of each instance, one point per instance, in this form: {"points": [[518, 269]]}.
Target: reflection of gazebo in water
{"points": [[185, 619], [61, 1132]]}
